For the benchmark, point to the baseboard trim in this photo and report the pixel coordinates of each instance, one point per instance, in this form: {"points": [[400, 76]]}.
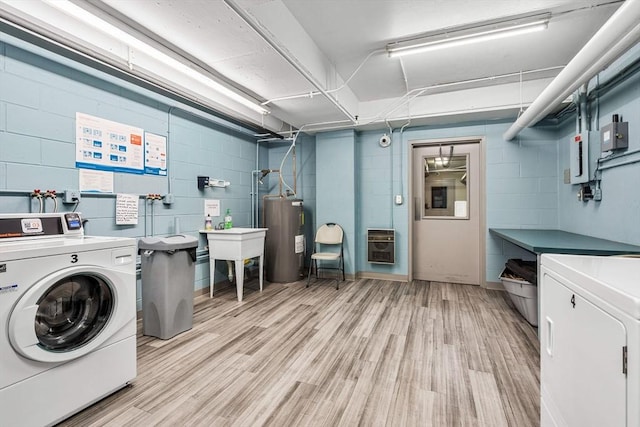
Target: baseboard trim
{"points": [[495, 286], [382, 276]]}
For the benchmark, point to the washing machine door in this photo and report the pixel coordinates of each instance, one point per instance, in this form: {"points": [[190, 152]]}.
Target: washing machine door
{"points": [[64, 316]]}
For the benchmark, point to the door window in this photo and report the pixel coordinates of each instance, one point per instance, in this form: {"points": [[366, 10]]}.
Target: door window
{"points": [[72, 312], [446, 193]]}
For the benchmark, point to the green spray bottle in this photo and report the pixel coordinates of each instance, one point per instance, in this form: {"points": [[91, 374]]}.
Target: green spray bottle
{"points": [[228, 221]]}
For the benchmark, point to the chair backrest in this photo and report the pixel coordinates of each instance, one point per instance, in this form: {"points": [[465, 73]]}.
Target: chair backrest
{"points": [[329, 234]]}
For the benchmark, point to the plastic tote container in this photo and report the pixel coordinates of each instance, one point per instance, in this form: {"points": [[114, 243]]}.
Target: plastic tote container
{"points": [[524, 296], [168, 276]]}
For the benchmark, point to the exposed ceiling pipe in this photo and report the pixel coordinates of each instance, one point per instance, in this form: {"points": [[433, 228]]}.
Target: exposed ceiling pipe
{"points": [[264, 33], [339, 88], [617, 35]]}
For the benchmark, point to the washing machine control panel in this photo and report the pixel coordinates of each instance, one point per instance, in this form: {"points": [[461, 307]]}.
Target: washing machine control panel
{"points": [[73, 221], [36, 225]]}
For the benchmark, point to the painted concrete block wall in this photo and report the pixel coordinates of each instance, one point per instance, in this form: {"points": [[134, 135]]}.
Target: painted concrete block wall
{"points": [[521, 186], [617, 216], [343, 176], [522, 190], [379, 178], [336, 188], [38, 101]]}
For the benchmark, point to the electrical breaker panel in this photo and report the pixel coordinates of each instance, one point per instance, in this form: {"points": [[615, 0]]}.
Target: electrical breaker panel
{"points": [[579, 158]]}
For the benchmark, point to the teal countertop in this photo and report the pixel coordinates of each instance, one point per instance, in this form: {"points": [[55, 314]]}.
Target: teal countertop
{"points": [[562, 242]]}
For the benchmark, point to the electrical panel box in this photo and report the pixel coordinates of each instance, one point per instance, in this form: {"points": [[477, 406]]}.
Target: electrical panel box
{"points": [[614, 136], [579, 158]]}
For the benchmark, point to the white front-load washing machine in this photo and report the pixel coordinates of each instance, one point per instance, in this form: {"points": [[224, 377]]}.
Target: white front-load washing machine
{"points": [[68, 317]]}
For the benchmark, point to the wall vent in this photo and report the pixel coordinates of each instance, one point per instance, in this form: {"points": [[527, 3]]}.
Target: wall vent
{"points": [[381, 246]]}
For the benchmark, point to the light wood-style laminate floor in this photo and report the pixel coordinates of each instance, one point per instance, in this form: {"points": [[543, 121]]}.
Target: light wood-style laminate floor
{"points": [[374, 353]]}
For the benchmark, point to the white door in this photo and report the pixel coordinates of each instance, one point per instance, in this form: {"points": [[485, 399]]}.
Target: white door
{"points": [[446, 212]]}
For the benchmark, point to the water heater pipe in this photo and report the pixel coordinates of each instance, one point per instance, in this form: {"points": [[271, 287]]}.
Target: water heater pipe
{"points": [[292, 148], [617, 35]]}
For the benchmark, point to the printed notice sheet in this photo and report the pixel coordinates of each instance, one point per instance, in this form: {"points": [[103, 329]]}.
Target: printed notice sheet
{"points": [[95, 181], [110, 146], [211, 208]]}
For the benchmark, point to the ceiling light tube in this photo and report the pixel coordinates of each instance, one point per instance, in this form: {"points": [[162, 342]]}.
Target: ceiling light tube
{"points": [[400, 49], [135, 43]]}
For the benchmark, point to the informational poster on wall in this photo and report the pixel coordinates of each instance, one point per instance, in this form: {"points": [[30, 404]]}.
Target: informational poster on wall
{"points": [[155, 154], [109, 146]]}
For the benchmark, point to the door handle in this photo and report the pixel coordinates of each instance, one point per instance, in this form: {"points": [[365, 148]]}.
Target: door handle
{"points": [[417, 210], [549, 344]]}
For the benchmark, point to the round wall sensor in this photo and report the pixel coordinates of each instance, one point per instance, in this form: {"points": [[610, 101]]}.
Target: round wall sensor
{"points": [[385, 140]]}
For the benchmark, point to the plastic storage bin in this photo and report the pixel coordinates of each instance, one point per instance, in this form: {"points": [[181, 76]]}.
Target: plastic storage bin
{"points": [[168, 276], [524, 296]]}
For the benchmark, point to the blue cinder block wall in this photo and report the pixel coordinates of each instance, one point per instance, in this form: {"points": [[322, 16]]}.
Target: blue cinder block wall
{"points": [[342, 176], [39, 98]]}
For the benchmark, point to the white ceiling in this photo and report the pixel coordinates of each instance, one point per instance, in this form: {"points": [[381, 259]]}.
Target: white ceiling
{"points": [[309, 46]]}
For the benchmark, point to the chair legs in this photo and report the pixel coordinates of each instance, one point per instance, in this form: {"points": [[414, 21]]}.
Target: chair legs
{"points": [[340, 269], [311, 268]]}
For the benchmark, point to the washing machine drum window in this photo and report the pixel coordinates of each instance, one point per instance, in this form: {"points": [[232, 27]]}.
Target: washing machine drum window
{"points": [[72, 312]]}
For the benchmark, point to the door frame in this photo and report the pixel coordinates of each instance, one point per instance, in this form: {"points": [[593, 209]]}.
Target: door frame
{"points": [[482, 196]]}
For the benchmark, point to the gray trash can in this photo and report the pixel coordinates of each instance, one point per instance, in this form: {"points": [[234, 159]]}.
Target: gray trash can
{"points": [[168, 276]]}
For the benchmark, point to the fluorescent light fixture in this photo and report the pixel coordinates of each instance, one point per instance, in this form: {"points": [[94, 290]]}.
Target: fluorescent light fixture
{"points": [[135, 43], [466, 36]]}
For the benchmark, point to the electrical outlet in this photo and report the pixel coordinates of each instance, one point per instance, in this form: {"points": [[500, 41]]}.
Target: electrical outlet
{"points": [[71, 196], [168, 199]]}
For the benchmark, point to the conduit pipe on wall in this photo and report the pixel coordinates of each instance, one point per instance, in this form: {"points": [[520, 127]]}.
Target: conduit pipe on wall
{"points": [[267, 37], [617, 35]]}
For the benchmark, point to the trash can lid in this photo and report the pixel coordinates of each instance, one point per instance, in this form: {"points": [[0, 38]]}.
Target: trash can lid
{"points": [[170, 243]]}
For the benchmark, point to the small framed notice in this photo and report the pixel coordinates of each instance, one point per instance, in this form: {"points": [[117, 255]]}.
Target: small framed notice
{"points": [[212, 207]]}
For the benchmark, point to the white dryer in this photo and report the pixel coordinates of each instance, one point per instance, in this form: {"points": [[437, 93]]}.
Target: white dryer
{"points": [[589, 341], [68, 317]]}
